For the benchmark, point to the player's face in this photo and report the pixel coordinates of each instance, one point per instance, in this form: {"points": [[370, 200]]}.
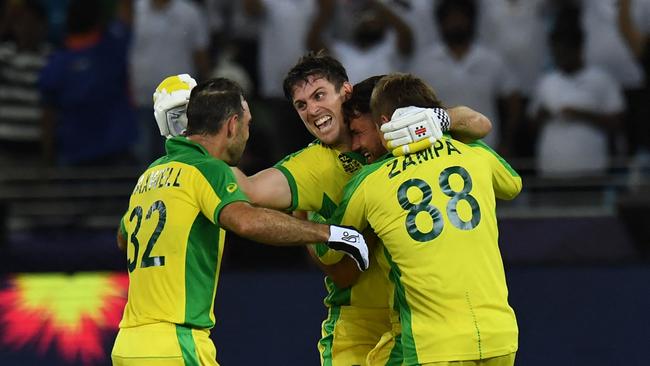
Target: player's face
{"points": [[319, 105], [239, 143], [366, 138]]}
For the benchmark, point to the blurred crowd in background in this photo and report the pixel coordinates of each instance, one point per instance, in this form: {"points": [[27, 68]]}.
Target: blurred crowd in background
{"points": [[565, 83]]}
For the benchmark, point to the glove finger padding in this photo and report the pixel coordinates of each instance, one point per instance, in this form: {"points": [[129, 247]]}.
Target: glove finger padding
{"points": [[409, 125], [414, 147], [170, 102], [351, 242], [398, 142]]}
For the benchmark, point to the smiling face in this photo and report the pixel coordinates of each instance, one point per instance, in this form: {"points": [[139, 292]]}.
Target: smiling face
{"points": [[319, 105], [366, 138]]}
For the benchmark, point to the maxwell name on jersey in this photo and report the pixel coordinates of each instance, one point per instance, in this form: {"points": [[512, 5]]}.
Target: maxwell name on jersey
{"points": [[158, 179], [440, 147]]}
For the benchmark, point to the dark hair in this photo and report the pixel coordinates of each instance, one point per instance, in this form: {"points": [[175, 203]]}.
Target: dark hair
{"points": [[567, 28], [211, 103], [401, 90], [467, 7], [359, 102], [83, 16], [314, 63]]}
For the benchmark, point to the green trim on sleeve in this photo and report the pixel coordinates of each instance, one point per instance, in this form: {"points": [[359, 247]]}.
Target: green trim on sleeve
{"points": [[483, 145], [222, 180], [292, 186]]}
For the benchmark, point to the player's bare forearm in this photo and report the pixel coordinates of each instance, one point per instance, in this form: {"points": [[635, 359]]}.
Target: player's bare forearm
{"points": [[271, 227], [468, 125], [344, 274], [268, 188]]}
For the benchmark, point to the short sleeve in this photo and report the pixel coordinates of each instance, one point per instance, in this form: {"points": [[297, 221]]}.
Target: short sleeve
{"points": [[221, 183]]}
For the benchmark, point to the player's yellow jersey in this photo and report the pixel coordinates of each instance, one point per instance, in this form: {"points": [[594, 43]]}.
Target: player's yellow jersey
{"points": [[174, 239], [317, 175], [435, 212]]}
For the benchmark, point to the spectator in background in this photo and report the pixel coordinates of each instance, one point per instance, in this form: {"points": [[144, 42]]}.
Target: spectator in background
{"points": [[235, 38], [464, 72], [637, 37], [169, 37], [22, 57], [381, 42], [516, 29], [283, 27], [576, 106], [417, 15], [88, 116], [606, 48]]}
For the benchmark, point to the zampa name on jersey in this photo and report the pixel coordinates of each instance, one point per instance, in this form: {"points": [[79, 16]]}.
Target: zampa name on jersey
{"points": [[398, 166]]}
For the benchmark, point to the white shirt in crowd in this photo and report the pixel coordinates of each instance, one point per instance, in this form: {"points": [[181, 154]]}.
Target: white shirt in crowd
{"points": [[569, 148], [283, 33], [476, 81], [382, 58], [517, 30], [164, 42], [604, 45]]}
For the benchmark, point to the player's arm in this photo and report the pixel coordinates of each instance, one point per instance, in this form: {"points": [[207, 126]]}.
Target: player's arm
{"points": [[343, 273], [506, 182], [276, 228], [337, 266], [268, 188], [468, 125], [121, 236]]}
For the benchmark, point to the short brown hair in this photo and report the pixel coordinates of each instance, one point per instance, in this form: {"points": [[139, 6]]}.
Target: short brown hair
{"points": [[401, 90], [314, 64]]}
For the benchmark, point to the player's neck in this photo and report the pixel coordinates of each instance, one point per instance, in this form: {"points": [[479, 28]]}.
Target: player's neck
{"points": [[212, 144]]}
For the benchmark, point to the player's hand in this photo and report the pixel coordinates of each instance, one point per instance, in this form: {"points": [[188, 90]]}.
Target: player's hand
{"points": [[351, 242], [414, 129], [170, 102]]}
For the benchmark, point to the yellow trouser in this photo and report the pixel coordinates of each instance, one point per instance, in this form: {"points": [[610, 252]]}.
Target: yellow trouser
{"points": [[350, 333], [507, 360], [163, 344]]}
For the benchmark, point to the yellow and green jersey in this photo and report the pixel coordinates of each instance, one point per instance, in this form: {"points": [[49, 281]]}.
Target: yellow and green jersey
{"points": [[435, 213], [174, 239], [317, 175]]}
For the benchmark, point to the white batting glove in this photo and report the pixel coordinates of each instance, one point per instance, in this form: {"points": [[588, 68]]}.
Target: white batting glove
{"points": [[170, 103], [414, 129], [350, 241]]}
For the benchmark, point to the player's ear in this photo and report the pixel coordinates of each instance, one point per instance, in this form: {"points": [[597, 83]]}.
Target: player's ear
{"points": [[347, 90], [231, 125]]}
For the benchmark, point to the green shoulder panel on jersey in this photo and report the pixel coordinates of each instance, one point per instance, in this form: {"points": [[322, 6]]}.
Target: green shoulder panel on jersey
{"points": [[483, 145], [409, 350], [216, 172], [223, 181], [354, 183]]}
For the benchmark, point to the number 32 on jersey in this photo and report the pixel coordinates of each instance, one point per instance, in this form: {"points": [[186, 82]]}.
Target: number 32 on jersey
{"points": [[147, 259]]}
